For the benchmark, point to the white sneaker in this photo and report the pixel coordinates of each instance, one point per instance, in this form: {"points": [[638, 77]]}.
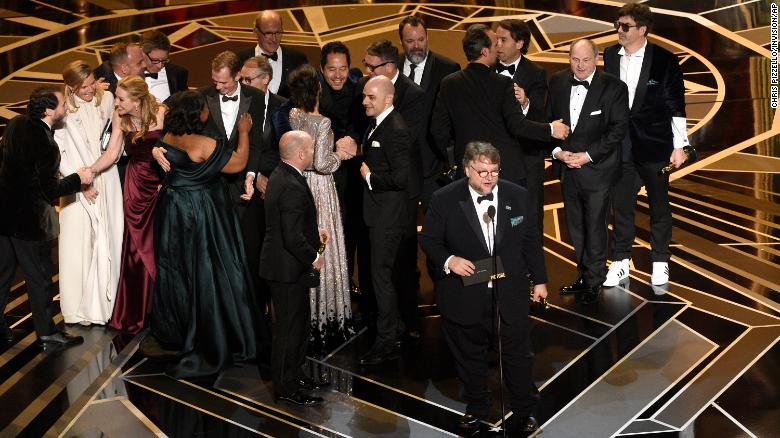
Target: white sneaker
{"points": [[660, 273], [618, 271]]}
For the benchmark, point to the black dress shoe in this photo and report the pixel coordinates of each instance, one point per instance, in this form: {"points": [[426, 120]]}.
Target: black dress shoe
{"points": [[299, 398], [6, 334], [61, 338], [308, 384], [470, 421], [590, 295], [377, 356], [578, 286], [521, 426]]}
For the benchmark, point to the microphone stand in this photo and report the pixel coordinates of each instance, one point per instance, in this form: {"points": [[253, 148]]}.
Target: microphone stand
{"points": [[497, 315]]}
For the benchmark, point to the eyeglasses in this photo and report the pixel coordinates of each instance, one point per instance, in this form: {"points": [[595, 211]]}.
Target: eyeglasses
{"points": [[624, 26], [370, 67], [485, 173], [249, 79], [277, 34], [162, 61]]}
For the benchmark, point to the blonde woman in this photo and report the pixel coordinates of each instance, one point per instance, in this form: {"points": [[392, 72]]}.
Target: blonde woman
{"points": [[137, 125], [91, 221]]}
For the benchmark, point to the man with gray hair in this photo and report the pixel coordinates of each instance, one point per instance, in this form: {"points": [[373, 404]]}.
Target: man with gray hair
{"points": [[459, 233]]}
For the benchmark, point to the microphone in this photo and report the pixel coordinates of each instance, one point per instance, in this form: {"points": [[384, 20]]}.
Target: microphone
{"points": [[491, 212], [690, 157]]}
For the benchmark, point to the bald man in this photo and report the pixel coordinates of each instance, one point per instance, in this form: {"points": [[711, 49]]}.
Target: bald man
{"points": [[386, 150], [268, 30], [289, 262]]}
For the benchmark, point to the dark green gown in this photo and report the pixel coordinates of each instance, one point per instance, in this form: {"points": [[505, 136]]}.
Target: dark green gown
{"points": [[202, 306]]}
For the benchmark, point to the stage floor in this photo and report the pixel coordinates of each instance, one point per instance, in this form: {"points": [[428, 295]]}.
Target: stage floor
{"points": [[697, 358]]}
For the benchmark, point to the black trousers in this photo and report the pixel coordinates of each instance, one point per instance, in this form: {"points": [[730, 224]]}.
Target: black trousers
{"points": [[291, 334], [587, 207], [385, 245], [253, 232], [35, 259], [405, 275], [624, 194], [469, 346], [534, 168], [356, 238]]}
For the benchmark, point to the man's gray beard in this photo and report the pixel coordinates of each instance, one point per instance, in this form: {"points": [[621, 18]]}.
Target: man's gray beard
{"points": [[416, 58]]}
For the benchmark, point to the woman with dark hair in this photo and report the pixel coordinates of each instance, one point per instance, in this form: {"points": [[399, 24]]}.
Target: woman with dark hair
{"points": [[201, 307], [331, 312]]}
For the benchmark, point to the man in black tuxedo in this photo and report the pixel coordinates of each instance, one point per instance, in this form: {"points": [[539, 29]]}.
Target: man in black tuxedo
{"points": [[478, 104], [257, 72], [457, 233], [125, 59], [595, 105], [512, 39], [29, 183], [290, 252], [163, 77], [382, 59], [385, 202], [426, 69], [656, 136], [268, 30]]}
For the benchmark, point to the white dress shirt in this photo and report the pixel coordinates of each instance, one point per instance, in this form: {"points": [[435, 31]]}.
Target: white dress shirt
{"points": [[229, 111], [418, 71], [516, 63], [276, 66], [159, 87], [630, 69]]}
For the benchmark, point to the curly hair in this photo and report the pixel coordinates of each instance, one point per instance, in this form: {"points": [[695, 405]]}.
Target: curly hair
{"points": [[183, 116], [74, 76], [138, 91], [304, 87], [41, 99]]}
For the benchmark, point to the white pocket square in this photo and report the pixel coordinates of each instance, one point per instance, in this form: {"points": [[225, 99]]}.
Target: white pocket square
{"points": [[374, 144], [595, 113]]}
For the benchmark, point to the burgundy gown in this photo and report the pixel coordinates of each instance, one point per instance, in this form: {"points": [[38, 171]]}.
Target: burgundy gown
{"points": [[136, 279]]}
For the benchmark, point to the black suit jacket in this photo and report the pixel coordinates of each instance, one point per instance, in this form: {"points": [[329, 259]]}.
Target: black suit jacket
{"points": [[291, 59], [105, 71], [252, 101], [659, 96], [386, 153], [269, 155], [409, 102], [451, 227], [478, 104], [177, 78], [436, 68], [291, 234], [533, 79], [600, 129], [29, 162]]}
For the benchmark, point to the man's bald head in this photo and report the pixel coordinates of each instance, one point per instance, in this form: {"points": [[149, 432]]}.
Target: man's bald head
{"points": [[297, 149], [268, 30], [378, 95]]}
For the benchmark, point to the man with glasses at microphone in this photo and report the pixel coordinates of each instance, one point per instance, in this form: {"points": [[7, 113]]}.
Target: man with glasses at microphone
{"points": [[467, 223]]}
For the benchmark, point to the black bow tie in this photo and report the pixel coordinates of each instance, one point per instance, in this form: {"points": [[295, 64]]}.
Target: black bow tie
{"points": [[272, 56], [510, 68], [234, 98], [575, 82], [488, 197], [150, 75]]}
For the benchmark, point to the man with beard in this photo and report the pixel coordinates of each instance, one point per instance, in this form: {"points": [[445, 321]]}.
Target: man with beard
{"points": [[426, 69], [29, 164]]}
